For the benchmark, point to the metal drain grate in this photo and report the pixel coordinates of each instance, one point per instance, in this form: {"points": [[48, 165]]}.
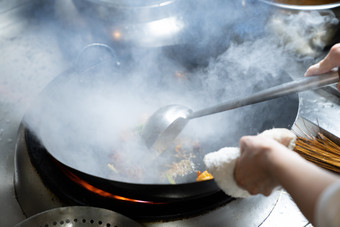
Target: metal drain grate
{"points": [[78, 216], [77, 222]]}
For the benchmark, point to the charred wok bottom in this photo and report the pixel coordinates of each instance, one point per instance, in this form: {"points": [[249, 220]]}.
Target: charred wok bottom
{"points": [[74, 188]]}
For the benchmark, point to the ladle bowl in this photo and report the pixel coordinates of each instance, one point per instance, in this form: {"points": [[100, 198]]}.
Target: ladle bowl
{"points": [[164, 126]]}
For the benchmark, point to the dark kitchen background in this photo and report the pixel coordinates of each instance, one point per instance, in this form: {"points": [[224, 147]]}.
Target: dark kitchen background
{"points": [[155, 44]]}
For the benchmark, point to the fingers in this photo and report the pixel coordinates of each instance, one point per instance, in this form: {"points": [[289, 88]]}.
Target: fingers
{"points": [[252, 182], [243, 143], [323, 66], [251, 169], [331, 61], [237, 176], [313, 70], [261, 189]]}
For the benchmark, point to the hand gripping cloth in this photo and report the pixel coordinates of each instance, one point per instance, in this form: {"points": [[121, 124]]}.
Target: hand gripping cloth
{"points": [[221, 164]]}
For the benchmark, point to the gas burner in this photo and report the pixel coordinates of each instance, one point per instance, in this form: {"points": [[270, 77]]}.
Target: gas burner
{"points": [[53, 189]]}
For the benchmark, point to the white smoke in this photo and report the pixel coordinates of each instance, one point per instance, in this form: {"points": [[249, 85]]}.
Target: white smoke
{"points": [[84, 118]]}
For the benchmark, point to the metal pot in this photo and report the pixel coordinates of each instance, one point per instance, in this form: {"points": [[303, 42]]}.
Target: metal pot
{"points": [[151, 23], [185, 29]]}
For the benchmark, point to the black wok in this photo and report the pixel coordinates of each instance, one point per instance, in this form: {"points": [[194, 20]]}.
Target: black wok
{"points": [[60, 95]]}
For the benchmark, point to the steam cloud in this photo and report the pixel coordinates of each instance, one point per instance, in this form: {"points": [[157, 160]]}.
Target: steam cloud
{"points": [[85, 117]]}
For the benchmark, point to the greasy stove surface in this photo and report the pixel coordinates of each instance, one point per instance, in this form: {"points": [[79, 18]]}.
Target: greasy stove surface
{"points": [[30, 57]]}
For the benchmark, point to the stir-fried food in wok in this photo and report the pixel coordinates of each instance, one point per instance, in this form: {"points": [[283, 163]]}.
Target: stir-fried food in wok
{"points": [[178, 164], [203, 176]]}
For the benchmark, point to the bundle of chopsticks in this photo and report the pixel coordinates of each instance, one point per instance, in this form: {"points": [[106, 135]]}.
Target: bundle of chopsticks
{"points": [[320, 150]]}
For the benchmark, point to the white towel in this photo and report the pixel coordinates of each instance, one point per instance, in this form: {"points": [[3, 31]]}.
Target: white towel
{"points": [[220, 164]]}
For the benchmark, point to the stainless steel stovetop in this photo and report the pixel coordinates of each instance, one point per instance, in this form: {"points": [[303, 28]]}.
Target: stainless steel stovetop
{"points": [[30, 58]]}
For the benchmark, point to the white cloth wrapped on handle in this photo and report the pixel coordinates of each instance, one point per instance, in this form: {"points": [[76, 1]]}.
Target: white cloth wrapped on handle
{"points": [[220, 164]]}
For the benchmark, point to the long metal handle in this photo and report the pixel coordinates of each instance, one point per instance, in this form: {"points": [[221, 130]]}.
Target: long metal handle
{"points": [[295, 86]]}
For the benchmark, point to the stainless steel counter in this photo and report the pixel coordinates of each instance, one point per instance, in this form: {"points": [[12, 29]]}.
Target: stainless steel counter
{"points": [[30, 58]]}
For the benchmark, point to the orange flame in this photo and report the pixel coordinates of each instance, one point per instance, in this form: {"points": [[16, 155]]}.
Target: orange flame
{"points": [[100, 192]]}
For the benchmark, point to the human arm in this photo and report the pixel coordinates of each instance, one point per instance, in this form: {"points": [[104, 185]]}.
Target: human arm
{"points": [[265, 164]]}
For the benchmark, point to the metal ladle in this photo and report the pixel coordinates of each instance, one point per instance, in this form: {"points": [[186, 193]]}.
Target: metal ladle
{"points": [[166, 123]]}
